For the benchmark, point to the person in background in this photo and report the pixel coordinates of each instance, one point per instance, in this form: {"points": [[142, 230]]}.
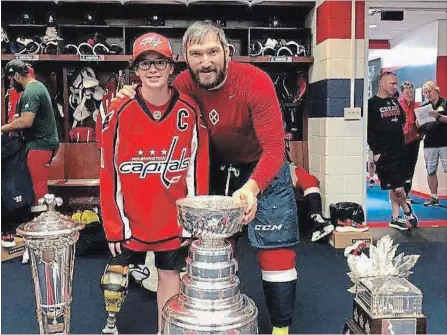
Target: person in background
{"points": [[412, 134], [34, 118], [38, 125], [435, 141], [387, 141]]}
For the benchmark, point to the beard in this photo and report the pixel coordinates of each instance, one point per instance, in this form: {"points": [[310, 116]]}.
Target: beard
{"points": [[17, 86], [220, 76]]}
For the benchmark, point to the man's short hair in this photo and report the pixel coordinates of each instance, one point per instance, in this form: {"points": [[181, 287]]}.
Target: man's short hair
{"points": [[386, 74], [198, 30]]}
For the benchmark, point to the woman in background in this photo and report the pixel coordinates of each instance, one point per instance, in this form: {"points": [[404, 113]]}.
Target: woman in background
{"points": [[412, 134]]}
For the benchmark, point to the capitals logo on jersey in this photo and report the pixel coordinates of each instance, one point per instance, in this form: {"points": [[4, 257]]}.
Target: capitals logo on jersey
{"points": [[162, 165]]}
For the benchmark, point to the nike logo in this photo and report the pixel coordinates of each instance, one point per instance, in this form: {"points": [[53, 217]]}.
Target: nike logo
{"points": [[231, 96]]}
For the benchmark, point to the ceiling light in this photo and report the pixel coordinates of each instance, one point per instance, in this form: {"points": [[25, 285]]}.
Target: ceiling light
{"points": [[373, 25]]}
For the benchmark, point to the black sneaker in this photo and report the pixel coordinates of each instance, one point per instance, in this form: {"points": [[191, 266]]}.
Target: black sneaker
{"points": [[322, 227], [431, 202], [398, 223], [372, 183], [409, 200], [412, 218]]}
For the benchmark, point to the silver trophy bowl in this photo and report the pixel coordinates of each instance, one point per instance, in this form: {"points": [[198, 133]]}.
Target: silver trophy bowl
{"points": [[211, 217], [210, 301]]}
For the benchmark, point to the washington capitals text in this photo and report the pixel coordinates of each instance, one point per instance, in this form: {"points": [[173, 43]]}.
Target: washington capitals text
{"points": [[162, 167]]}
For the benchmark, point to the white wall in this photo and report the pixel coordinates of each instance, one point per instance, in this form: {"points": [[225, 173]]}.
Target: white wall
{"points": [[417, 47], [442, 38]]}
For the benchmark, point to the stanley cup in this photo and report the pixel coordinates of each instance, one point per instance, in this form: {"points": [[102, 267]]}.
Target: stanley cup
{"points": [[210, 301], [50, 239]]}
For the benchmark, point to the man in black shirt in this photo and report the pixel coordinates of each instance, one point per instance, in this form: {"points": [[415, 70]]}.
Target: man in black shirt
{"points": [[386, 140], [435, 141]]}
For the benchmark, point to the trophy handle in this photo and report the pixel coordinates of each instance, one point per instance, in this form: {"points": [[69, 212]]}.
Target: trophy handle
{"points": [[51, 201]]}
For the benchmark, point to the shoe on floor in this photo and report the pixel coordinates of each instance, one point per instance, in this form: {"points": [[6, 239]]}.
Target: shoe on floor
{"points": [[398, 223], [8, 241], [431, 202], [350, 226], [356, 249], [411, 217], [372, 183], [322, 227], [409, 200]]}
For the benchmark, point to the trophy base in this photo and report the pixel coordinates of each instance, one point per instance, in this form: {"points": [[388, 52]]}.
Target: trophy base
{"points": [[57, 328], [351, 327], [367, 324], [178, 318]]}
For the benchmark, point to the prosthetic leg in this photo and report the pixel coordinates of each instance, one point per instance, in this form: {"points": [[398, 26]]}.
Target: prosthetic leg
{"points": [[114, 285]]}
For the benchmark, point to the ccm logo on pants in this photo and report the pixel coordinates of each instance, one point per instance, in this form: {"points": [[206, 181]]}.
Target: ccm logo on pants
{"points": [[268, 227]]}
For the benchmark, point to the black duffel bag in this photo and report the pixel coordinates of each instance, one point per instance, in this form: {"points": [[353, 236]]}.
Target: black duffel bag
{"points": [[344, 211], [17, 186]]}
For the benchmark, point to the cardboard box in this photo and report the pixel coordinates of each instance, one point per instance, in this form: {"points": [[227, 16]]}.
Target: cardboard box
{"points": [[342, 240], [13, 252]]}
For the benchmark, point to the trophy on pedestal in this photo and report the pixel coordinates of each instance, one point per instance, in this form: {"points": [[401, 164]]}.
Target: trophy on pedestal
{"points": [[210, 301], [50, 239], [385, 301]]}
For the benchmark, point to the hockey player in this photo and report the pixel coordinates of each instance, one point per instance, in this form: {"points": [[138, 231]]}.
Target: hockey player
{"points": [[154, 151], [240, 108]]}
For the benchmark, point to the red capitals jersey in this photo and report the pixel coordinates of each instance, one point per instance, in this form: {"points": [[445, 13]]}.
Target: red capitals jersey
{"points": [[244, 119], [146, 165]]}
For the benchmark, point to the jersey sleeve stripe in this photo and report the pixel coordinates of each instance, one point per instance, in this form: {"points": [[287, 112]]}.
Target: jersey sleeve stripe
{"points": [[119, 199], [189, 105], [197, 137], [191, 182]]}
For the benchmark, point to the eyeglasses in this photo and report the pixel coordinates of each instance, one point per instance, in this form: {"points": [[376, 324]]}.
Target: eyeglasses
{"points": [[159, 64]]}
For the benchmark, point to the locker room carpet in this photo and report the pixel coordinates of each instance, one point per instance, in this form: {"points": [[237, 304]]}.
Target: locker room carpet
{"points": [[379, 209], [322, 307]]}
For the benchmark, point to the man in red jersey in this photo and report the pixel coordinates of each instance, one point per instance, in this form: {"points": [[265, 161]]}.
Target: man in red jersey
{"points": [[240, 108], [154, 151]]}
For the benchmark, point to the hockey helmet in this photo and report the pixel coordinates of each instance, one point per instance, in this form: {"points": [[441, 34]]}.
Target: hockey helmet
{"points": [[26, 18], [50, 19]]}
